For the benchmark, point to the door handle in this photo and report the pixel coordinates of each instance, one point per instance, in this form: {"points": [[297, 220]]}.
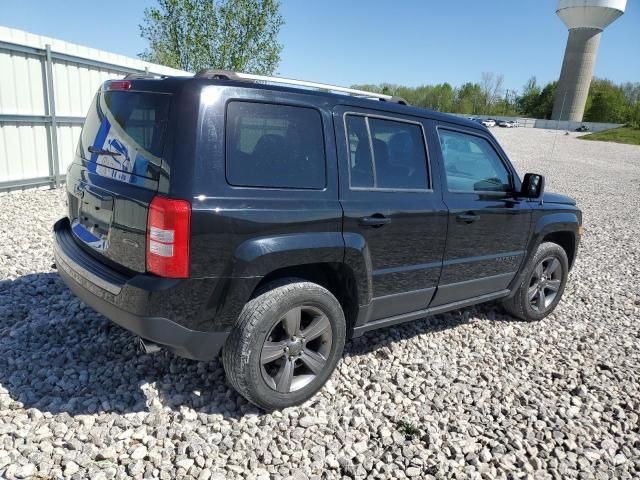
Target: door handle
{"points": [[468, 218], [375, 221]]}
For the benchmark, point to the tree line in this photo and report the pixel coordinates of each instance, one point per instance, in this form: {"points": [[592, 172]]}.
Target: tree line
{"points": [[606, 102]]}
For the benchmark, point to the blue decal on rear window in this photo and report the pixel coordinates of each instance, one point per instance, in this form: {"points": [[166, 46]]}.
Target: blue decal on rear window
{"points": [[130, 124], [101, 135]]}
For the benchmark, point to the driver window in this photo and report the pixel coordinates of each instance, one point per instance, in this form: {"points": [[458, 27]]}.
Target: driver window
{"points": [[471, 163]]}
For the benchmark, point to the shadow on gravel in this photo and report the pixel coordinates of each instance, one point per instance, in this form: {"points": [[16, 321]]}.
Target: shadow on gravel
{"points": [[59, 355]]}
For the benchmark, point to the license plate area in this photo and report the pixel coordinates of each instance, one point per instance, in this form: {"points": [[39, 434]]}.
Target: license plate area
{"points": [[94, 217]]}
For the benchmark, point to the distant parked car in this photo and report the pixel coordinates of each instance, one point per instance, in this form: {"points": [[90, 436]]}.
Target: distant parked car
{"points": [[582, 128], [515, 123], [489, 123], [503, 123]]}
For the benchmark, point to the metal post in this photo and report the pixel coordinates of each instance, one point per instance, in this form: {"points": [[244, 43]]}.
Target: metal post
{"points": [[54, 164]]}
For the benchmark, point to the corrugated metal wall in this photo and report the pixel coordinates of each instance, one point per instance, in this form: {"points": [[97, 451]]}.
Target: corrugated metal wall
{"points": [[46, 87]]}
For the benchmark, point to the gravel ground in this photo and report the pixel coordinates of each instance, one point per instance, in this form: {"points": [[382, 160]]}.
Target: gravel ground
{"points": [[470, 394]]}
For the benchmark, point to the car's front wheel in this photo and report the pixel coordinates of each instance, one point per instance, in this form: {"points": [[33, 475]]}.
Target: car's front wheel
{"points": [[543, 284], [285, 345]]}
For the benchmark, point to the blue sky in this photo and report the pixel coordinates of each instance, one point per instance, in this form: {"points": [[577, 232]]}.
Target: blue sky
{"points": [[356, 41]]}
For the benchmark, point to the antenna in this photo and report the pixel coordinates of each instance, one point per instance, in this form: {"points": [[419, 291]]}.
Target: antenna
{"points": [[553, 147]]}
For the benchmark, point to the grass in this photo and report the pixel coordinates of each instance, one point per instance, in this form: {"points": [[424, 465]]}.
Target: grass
{"points": [[409, 430], [626, 134]]}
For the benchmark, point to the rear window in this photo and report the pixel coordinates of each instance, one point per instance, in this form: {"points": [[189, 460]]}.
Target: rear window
{"points": [[132, 125], [274, 146], [386, 154]]}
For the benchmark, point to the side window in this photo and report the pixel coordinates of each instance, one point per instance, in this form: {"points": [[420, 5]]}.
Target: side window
{"points": [[399, 153], [472, 164], [360, 161], [277, 146], [386, 154]]}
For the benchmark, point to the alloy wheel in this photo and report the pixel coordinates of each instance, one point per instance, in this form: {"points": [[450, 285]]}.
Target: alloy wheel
{"points": [[544, 284], [297, 349]]}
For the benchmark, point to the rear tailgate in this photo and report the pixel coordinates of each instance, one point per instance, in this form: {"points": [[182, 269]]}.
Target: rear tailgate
{"points": [[116, 172]]}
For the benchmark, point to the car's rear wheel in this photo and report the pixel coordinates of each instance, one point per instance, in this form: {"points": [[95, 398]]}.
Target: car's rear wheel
{"points": [[543, 284], [286, 344]]}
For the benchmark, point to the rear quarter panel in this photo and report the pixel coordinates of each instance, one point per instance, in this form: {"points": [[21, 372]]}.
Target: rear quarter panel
{"points": [[247, 231]]}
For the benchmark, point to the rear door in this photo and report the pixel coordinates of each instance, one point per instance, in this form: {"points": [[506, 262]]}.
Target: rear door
{"points": [[116, 172], [488, 226], [391, 201]]}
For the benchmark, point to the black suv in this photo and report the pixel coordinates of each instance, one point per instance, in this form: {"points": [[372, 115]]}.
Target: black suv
{"points": [[216, 213]]}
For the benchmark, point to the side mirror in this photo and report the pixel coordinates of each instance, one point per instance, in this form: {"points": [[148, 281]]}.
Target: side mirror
{"points": [[532, 186]]}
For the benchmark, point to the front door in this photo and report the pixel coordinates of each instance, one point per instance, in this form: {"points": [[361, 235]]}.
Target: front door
{"points": [[488, 225], [393, 208]]}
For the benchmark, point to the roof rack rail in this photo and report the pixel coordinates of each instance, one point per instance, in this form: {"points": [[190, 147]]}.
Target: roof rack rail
{"points": [[141, 75], [216, 74]]}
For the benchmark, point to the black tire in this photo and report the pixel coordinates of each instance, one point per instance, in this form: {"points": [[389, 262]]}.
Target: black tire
{"points": [[520, 305], [243, 350]]}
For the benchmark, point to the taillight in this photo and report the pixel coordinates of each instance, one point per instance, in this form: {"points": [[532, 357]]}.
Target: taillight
{"points": [[168, 232], [120, 85]]}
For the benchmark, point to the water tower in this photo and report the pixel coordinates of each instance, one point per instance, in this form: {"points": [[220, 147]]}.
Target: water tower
{"points": [[585, 19]]}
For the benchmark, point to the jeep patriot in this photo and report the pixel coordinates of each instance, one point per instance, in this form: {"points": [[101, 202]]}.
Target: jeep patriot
{"points": [[269, 220]]}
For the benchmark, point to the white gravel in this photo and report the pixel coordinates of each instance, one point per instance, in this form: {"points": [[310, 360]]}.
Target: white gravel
{"points": [[471, 394]]}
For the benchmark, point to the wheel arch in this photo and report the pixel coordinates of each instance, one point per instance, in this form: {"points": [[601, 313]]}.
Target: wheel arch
{"points": [[560, 228], [340, 263], [337, 277], [567, 240]]}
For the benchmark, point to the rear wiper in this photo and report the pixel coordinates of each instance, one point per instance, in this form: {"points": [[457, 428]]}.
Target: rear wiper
{"points": [[102, 151]]}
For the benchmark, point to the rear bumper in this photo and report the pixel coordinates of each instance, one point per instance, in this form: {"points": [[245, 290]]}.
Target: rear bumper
{"points": [[122, 299]]}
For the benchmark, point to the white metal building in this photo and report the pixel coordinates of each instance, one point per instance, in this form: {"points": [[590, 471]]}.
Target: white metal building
{"points": [[46, 88]]}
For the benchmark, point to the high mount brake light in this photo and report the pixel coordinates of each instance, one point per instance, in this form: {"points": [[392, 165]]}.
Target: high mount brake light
{"points": [[120, 85], [168, 232]]}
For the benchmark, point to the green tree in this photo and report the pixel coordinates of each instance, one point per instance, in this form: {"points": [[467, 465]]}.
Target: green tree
{"points": [[368, 87], [505, 107], [444, 97], [528, 101], [543, 107], [631, 92], [470, 99], [238, 35], [634, 115], [606, 103]]}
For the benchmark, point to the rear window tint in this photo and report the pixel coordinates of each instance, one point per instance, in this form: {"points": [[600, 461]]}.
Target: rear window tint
{"points": [[399, 154], [131, 124], [386, 154], [276, 146], [360, 159]]}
